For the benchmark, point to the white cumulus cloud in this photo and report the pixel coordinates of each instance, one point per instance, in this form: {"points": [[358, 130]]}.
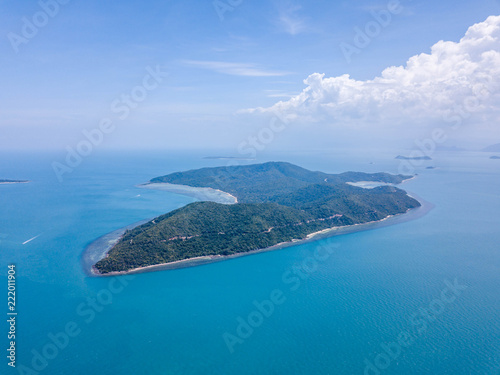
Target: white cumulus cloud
{"points": [[454, 79]]}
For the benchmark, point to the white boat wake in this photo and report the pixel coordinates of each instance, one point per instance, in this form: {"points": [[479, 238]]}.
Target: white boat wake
{"points": [[31, 239]]}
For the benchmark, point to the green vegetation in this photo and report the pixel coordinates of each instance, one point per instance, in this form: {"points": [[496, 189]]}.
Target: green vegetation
{"points": [[259, 183], [278, 202]]}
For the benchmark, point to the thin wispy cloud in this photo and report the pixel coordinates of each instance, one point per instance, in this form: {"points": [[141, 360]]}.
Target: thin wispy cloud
{"points": [[236, 69], [289, 21]]}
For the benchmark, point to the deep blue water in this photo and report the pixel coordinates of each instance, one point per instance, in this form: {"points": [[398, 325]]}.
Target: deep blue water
{"points": [[373, 287]]}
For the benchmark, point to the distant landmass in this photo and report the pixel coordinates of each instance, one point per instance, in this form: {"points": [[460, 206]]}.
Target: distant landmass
{"points": [[492, 148], [226, 158], [277, 203], [3, 181], [494, 157], [449, 148], [413, 157]]}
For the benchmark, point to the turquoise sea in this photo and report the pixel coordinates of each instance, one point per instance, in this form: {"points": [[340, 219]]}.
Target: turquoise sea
{"points": [[419, 297]]}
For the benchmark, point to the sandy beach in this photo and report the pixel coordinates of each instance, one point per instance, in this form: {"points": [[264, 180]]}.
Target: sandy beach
{"points": [[202, 194], [373, 184]]}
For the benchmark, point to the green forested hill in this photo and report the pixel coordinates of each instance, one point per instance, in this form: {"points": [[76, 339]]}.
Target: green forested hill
{"points": [[260, 182], [290, 203]]}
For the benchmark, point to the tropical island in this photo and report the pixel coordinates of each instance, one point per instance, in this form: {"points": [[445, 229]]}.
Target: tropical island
{"points": [[273, 203], [3, 181], [495, 157]]}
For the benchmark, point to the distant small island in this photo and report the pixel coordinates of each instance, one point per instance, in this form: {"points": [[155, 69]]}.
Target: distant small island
{"points": [[494, 157], [2, 181], [401, 157], [492, 148], [261, 206]]}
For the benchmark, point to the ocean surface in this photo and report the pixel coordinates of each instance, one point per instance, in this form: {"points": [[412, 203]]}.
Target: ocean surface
{"points": [[418, 297]]}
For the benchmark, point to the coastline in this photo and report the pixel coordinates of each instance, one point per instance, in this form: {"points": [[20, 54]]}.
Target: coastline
{"points": [[411, 214], [374, 184], [408, 179], [99, 248]]}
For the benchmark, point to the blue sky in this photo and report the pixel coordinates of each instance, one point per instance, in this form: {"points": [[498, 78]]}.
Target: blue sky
{"points": [[90, 53]]}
